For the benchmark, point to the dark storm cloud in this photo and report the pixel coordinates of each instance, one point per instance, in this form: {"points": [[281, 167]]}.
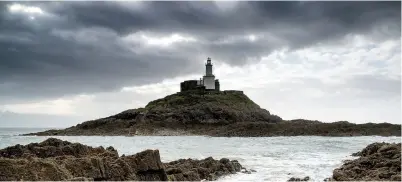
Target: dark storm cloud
{"points": [[296, 24], [77, 47], [205, 16]]}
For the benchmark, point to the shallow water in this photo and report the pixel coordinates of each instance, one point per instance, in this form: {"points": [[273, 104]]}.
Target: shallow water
{"points": [[274, 158]]}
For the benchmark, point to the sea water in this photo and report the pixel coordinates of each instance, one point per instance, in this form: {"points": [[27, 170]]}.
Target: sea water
{"points": [[273, 158]]}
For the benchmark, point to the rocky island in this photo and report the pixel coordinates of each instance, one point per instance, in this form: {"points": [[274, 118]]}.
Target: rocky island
{"points": [[201, 108], [215, 113]]}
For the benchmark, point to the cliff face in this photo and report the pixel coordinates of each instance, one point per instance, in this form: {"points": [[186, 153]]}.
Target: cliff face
{"points": [[225, 113]]}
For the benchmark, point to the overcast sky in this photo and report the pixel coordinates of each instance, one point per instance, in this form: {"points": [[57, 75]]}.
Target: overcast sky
{"points": [[62, 63]]}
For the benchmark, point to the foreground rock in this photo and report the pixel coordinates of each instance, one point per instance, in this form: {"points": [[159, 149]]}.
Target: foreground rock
{"points": [[53, 147], [377, 162], [196, 170], [226, 114], [299, 179], [57, 160]]}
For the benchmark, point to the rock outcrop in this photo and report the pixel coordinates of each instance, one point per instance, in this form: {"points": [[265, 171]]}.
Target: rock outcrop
{"points": [[377, 162], [57, 160], [224, 113], [299, 179], [196, 170], [53, 147], [306, 128]]}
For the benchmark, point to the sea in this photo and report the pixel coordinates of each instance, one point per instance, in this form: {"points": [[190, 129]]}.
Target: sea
{"points": [[273, 158]]}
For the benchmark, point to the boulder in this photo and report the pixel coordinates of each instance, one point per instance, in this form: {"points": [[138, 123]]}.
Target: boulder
{"points": [[206, 169], [307, 178], [377, 162]]}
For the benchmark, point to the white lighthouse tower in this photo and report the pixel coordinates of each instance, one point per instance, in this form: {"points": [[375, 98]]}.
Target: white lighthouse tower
{"points": [[209, 78], [208, 81]]}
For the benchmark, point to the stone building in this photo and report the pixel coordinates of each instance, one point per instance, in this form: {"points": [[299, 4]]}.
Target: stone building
{"points": [[207, 82], [191, 85]]}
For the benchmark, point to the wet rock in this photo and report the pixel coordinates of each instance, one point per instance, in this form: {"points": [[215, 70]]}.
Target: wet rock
{"points": [[57, 160], [245, 171], [396, 177], [224, 160], [307, 178], [80, 179], [356, 154], [377, 162], [35, 170], [328, 179], [53, 147], [196, 170]]}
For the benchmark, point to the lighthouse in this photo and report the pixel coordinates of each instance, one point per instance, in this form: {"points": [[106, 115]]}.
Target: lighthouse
{"points": [[209, 78], [206, 83]]}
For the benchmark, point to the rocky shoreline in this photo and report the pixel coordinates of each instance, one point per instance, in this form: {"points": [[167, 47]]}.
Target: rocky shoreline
{"points": [[376, 162], [245, 129], [57, 160]]}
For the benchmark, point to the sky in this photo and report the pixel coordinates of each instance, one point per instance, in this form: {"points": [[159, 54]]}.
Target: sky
{"points": [[62, 63]]}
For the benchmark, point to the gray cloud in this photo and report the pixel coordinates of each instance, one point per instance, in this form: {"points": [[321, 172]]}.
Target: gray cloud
{"points": [[78, 47]]}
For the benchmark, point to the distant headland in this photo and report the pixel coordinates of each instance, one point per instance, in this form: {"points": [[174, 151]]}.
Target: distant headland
{"points": [[201, 108]]}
